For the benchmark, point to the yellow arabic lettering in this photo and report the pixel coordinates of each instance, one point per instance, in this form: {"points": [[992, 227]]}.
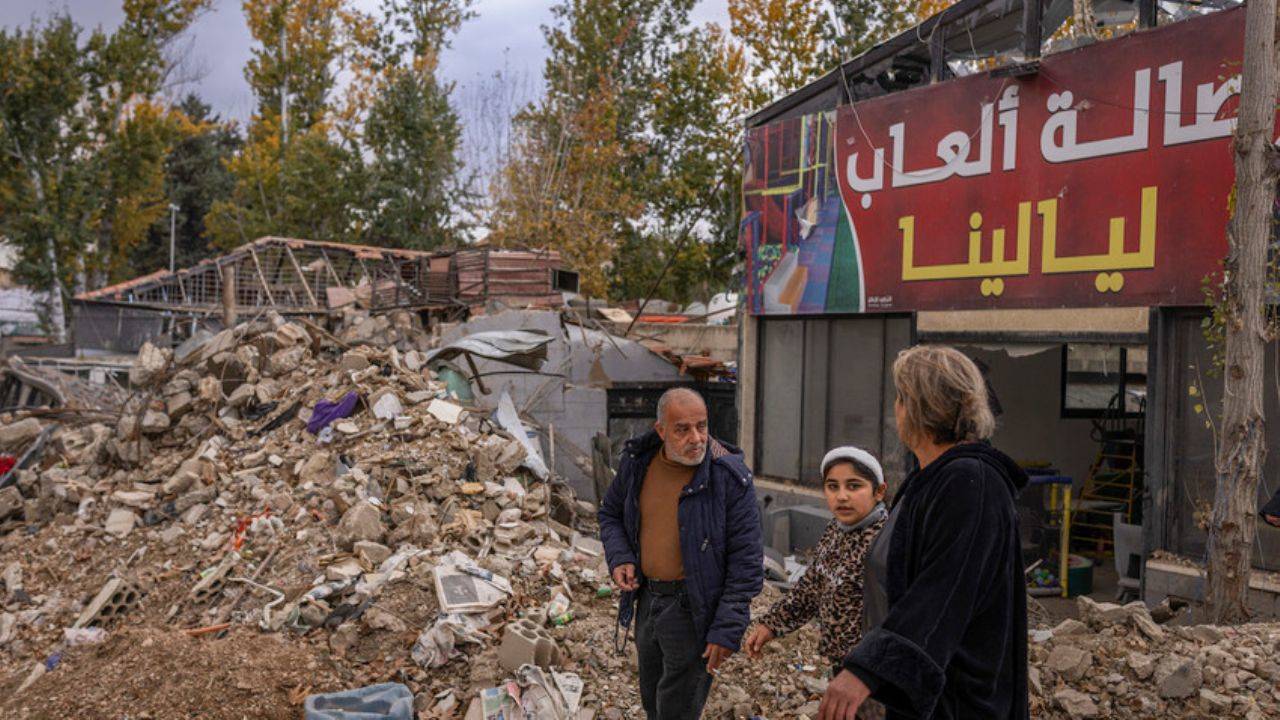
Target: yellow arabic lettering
{"points": [[1107, 264], [974, 267]]}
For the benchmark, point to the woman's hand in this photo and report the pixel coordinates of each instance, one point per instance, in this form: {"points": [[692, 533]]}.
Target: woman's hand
{"points": [[845, 693], [760, 636]]}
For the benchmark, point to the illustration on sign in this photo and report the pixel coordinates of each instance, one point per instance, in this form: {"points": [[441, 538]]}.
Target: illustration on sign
{"points": [[1074, 187]]}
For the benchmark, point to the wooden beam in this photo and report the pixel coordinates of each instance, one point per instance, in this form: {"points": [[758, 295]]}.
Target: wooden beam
{"points": [[261, 278], [325, 256], [298, 269], [229, 295]]}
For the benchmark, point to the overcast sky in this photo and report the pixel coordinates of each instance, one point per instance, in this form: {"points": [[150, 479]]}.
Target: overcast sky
{"points": [[504, 33]]}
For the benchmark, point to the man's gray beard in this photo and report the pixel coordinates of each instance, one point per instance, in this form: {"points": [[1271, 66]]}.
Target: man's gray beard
{"points": [[688, 461]]}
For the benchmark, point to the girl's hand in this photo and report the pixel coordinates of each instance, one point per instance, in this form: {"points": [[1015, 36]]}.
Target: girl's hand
{"points": [[760, 636]]}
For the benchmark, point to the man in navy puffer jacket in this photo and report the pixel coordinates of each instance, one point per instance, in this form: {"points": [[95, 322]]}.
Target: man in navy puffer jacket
{"points": [[681, 533]]}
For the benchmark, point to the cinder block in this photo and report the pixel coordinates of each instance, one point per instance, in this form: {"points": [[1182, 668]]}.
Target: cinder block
{"points": [[116, 598], [527, 644], [212, 584]]}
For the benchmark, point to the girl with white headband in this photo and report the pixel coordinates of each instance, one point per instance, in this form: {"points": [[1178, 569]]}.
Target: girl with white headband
{"points": [[831, 588]]}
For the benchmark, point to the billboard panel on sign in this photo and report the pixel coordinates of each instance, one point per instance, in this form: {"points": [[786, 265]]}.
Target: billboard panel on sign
{"points": [[1102, 180]]}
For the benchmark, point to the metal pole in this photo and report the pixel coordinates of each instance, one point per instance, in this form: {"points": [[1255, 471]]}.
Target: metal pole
{"points": [[173, 218]]}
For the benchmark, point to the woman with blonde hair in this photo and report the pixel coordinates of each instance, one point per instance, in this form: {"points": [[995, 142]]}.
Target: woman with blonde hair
{"points": [[944, 604]]}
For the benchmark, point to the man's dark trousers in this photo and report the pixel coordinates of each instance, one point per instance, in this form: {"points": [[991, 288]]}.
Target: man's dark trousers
{"points": [[674, 681]]}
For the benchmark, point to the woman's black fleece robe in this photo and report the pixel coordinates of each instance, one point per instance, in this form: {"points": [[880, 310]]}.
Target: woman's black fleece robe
{"points": [[954, 643]]}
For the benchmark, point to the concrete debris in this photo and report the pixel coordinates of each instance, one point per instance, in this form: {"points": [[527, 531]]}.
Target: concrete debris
{"points": [[120, 522], [15, 436], [1118, 662], [117, 597], [363, 522], [149, 366]]}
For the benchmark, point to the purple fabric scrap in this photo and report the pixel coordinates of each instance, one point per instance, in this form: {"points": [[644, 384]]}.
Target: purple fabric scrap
{"points": [[327, 411]]}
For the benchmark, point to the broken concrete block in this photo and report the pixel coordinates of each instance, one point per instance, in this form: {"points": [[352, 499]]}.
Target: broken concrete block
{"points": [[1177, 677], [1070, 626], [346, 427], [385, 404], [371, 552], [525, 643], [292, 334], [344, 569], [193, 473], [363, 521], [10, 502], [214, 580], [116, 598], [353, 361], [1141, 664], [149, 366], [241, 396], [318, 469], [445, 411], [154, 422], [15, 435], [283, 362], [1214, 704], [180, 404], [120, 522], [344, 638], [1069, 662], [1076, 704]]}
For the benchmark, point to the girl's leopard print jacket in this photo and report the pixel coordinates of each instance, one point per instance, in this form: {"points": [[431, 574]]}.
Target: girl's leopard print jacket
{"points": [[830, 590]]}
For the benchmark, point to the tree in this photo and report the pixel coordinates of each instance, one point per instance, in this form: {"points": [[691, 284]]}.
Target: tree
{"points": [[1241, 448], [785, 41], [373, 161], [695, 187], [196, 176], [630, 84], [415, 194], [81, 130], [573, 196], [863, 23]]}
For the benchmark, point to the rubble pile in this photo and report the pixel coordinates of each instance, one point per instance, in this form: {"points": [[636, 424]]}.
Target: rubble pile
{"points": [[1117, 661], [325, 491]]}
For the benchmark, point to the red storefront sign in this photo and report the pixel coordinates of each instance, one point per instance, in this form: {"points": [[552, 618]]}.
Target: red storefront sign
{"points": [[1102, 180]]}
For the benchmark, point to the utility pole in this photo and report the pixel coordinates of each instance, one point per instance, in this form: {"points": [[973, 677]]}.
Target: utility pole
{"points": [[1241, 447], [284, 75], [173, 222]]}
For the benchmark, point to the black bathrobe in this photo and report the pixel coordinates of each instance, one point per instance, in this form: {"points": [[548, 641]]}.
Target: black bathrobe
{"points": [[954, 643], [1271, 508]]}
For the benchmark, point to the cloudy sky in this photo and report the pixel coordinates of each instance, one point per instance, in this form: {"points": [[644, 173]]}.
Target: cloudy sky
{"points": [[505, 34]]}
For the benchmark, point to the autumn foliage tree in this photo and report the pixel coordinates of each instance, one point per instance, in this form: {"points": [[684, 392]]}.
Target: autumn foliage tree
{"points": [[84, 135]]}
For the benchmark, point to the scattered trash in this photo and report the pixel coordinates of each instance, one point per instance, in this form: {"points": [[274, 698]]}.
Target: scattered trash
{"points": [[462, 586], [326, 412], [74, 637], [386, 701]]}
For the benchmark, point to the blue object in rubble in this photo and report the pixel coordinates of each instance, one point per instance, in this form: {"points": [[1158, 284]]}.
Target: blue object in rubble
{"points": [[387, 701]]}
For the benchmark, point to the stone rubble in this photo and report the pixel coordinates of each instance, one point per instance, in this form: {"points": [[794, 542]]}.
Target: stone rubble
{"points": [[1118, 662], [204, 501]]}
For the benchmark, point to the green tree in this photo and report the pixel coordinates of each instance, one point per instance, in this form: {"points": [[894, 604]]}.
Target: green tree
{"points": [[84, 137], [864, 23], [196, 176], [415, 193], [630, 81], [373, 161]]}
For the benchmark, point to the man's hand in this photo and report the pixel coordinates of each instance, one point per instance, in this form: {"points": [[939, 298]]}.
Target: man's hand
{"points": [[715, 654], [759, 637], [624, 576], [845, 693], [1273, 520]]}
